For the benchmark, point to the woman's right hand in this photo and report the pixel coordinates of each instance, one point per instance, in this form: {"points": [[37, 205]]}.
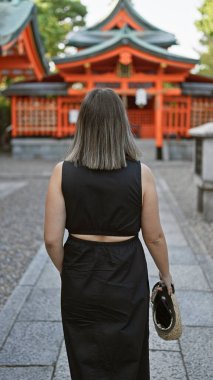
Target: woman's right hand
{"points": [[167, 280]]}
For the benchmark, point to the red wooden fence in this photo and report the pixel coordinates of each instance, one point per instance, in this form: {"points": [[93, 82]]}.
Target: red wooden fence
{"points": [[50, 116], [176, 116]]}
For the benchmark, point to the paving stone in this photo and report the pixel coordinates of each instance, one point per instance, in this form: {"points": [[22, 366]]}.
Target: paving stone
{"points": [[50, 277], [177, 255], [35, 268], [62, 371], [196, 307], [197, 347], [163, 208], [208, 269], [183, 255], [166, 365], [188, 277], [26, 373], [32, 343], [169, 227], [11, 309], [42, 305], [167, 218], [176, 239]]}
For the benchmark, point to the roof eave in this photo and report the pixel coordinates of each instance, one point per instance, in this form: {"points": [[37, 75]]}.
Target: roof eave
{"points": [[39, 43], [34, 88], [197, 89], [80, 43], [115, 42], [32, 20], [13, 36]]}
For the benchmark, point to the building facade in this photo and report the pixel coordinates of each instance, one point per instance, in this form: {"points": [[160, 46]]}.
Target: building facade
{"points": [[130, 55]]}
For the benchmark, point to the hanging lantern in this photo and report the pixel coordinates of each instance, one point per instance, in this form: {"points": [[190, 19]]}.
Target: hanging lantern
{"points": [[141, 97]]}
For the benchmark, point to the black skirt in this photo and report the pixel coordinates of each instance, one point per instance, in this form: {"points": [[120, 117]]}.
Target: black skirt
{"points": [[105, 309]]}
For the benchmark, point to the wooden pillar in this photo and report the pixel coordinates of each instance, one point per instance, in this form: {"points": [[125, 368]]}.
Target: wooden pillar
{"points": [[13, 116], [159, 121], [188, 116], [59, 113], [88, 72]]}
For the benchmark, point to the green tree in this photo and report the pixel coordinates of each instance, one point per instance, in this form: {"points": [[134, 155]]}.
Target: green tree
{"points": [[205, 25], [56, 18]]}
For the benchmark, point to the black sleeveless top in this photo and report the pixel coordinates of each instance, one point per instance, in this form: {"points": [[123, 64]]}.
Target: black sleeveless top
{"points": [[102, 202]]}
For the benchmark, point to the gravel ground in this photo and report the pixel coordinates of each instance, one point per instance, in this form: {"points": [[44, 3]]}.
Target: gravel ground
{"points": [[22, 211], [20, 232], [21, 221], [11, 167]]}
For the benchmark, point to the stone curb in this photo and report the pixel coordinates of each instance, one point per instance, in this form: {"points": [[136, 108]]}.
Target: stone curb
{"points": [[14, 176], [19, 295], [204, 260]]}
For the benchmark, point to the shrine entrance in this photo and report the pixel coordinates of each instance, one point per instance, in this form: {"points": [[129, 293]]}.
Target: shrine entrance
{"points": [[142, 120]]}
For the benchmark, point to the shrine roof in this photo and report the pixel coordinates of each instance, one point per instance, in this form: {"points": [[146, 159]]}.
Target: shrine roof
{"points": [[36, 89], [15, 16], [198, 85], [197, 89], [125, 4], [123, 37], [89, 36], [84, 38]]}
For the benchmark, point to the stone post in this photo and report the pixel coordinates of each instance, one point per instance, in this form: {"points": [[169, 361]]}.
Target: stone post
{"points": [[203, 168]]}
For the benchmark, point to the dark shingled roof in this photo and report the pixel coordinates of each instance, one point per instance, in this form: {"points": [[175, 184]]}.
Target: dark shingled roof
{"points": [[84, 38], [93, 35], [123, 37], [36, 89], [15, 16], [197, 89]]}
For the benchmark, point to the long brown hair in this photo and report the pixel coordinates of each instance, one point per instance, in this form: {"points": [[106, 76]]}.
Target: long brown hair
{"points": [[103, 139]]}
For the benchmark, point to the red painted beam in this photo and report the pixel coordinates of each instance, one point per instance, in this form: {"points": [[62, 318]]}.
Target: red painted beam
{"points": [[14, 62], [126, 48], [32, 53], [114, 78]]}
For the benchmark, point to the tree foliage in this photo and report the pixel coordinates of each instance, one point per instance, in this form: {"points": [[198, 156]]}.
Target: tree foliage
{"points": [[56, 18], [205, 25]]}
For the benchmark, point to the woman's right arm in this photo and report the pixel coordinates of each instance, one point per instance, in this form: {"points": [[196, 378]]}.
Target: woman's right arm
{"points": [[151, 228]]}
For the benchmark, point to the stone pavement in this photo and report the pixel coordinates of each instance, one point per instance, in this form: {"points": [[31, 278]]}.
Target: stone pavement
{"points": [[31, 335]]}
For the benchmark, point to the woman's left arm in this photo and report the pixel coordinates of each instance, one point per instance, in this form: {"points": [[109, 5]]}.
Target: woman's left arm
{"points": [[55, 218]]}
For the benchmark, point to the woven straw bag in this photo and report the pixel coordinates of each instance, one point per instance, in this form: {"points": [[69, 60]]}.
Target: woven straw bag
{"points": [[165, 312]]}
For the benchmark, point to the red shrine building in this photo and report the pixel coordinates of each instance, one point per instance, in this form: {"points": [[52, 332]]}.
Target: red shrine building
{"points": [[21, 50], [126, 53]]}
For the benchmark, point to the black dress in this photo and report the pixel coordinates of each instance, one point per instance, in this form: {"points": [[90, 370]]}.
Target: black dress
{"points": [[104, 285]]}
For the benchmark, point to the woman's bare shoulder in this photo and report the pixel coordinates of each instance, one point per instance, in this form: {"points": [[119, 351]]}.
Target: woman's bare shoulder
{"points": [[57, 172], [146, 174], [58, 167]]}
